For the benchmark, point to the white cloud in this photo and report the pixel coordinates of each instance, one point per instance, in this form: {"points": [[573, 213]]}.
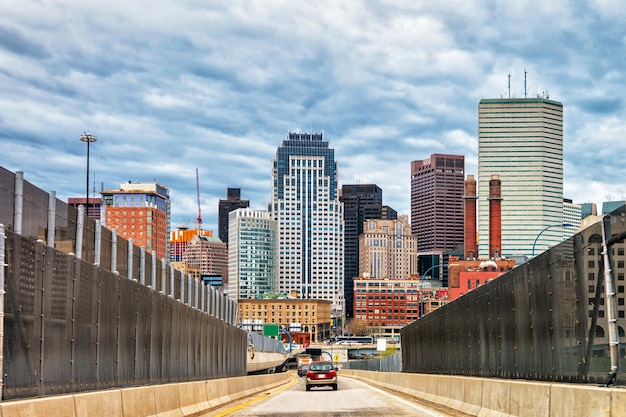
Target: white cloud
{"points": [[169, 87]]}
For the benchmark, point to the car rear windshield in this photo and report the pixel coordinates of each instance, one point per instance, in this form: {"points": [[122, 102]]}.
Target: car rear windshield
{"points": [[321, 367]]}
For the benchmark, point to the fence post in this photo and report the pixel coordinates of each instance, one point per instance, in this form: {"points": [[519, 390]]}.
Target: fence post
{"points": [[181, 294], [233, 317], [171, 269], [209, 301], [114, 251], [129, 273], [2, 268], [98, 244], [52, 206], [80, 224], [189, 288], [202, 290], [142, 265], [163, 276], [18, 207], [153, 272]]}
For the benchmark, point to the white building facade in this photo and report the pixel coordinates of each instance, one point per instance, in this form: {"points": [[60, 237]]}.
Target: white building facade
{"points": [[309, 216], [251, 253], [521, 140]]}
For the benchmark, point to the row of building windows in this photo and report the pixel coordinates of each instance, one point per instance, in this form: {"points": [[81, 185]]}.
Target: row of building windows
{"points": [[273, 314], [280, 307], [620, 314], [387, 284]]}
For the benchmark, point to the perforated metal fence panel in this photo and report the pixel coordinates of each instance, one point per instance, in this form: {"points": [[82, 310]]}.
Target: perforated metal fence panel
{"points": [[73, 326], [536, 321]]}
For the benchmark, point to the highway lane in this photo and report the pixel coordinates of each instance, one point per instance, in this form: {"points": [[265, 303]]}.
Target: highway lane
{"points": [[353, 398]]}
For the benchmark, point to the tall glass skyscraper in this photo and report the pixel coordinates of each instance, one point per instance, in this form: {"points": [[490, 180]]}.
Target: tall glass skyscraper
{"points": [[521, 141], [251, 253], [309, 216]]}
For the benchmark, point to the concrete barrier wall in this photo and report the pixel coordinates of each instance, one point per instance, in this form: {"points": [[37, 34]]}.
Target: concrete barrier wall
{"points": [[490, 397], [169, 400]]}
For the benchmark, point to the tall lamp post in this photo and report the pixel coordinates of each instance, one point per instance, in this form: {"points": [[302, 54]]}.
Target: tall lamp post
{"points": [[546, 228], [422, 280], [88, 138]]}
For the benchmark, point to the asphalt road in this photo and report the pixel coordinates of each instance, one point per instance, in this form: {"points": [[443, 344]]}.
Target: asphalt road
{"points": [[353, 398]]}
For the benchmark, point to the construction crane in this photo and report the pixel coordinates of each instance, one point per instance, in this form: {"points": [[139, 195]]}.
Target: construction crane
{"points": [[199, 223]]}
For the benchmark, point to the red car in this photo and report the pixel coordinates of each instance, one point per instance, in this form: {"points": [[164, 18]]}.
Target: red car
{"points": [[321, 373]]}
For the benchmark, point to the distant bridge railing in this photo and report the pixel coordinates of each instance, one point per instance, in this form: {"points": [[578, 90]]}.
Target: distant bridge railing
{"points": [[545, 319]]}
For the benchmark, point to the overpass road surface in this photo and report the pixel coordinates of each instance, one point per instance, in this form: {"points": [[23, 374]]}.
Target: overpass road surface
{"points": [[353, 398]]}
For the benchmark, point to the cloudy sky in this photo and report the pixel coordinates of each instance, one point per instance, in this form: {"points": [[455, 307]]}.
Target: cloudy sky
{"points": [[171, 86]]}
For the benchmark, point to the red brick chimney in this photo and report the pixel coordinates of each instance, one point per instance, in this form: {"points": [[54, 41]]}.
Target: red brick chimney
{"points": [[469, 214], [495, 217]]}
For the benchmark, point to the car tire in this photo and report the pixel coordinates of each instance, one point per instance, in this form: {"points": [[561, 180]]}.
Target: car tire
{"points": [[308, 388], [334, 387]]}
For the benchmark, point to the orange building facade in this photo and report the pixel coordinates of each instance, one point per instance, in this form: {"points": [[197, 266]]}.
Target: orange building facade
{"points": [[139, 211]]}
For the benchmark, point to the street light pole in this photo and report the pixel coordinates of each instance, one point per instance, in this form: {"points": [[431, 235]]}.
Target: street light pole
{"points": [[88, 138], [421, 280], [546, 228]]}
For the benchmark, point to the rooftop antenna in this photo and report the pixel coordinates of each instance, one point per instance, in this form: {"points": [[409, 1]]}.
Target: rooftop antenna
{"points": [[524, 82], [509, 84], [199, 225]]}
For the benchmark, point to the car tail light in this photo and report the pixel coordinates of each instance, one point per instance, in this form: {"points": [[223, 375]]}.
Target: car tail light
{"points": [[321, 374]]}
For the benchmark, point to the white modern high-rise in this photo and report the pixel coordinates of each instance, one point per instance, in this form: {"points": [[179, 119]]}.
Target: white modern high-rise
{"points": [[305, 204], [251, 253], [572, 214], [521, 141]]}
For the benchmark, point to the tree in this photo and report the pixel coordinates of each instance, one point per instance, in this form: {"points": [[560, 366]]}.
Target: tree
{"points": [[358, 327]]}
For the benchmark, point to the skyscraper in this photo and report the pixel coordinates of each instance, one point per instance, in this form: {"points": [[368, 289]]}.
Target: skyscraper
{"points": [[233, 201], [140, 211], [521, 141], [437, 202], [305, 204], [251, 253], [361, 202], [388, 249]]}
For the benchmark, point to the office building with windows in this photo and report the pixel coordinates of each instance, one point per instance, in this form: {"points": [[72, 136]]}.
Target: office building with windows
{"points": [[437, 202], [206, 259], [388, 249], [309, 218], [251, 253], [139, 211], [521, 141], [233, 201], [361, 202]]}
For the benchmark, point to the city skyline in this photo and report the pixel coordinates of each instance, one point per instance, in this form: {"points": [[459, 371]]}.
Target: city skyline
{"points": [[170, 89]]}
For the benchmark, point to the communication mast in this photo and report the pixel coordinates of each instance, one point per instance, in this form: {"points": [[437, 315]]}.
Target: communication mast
{"points": [[199, 224]]}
